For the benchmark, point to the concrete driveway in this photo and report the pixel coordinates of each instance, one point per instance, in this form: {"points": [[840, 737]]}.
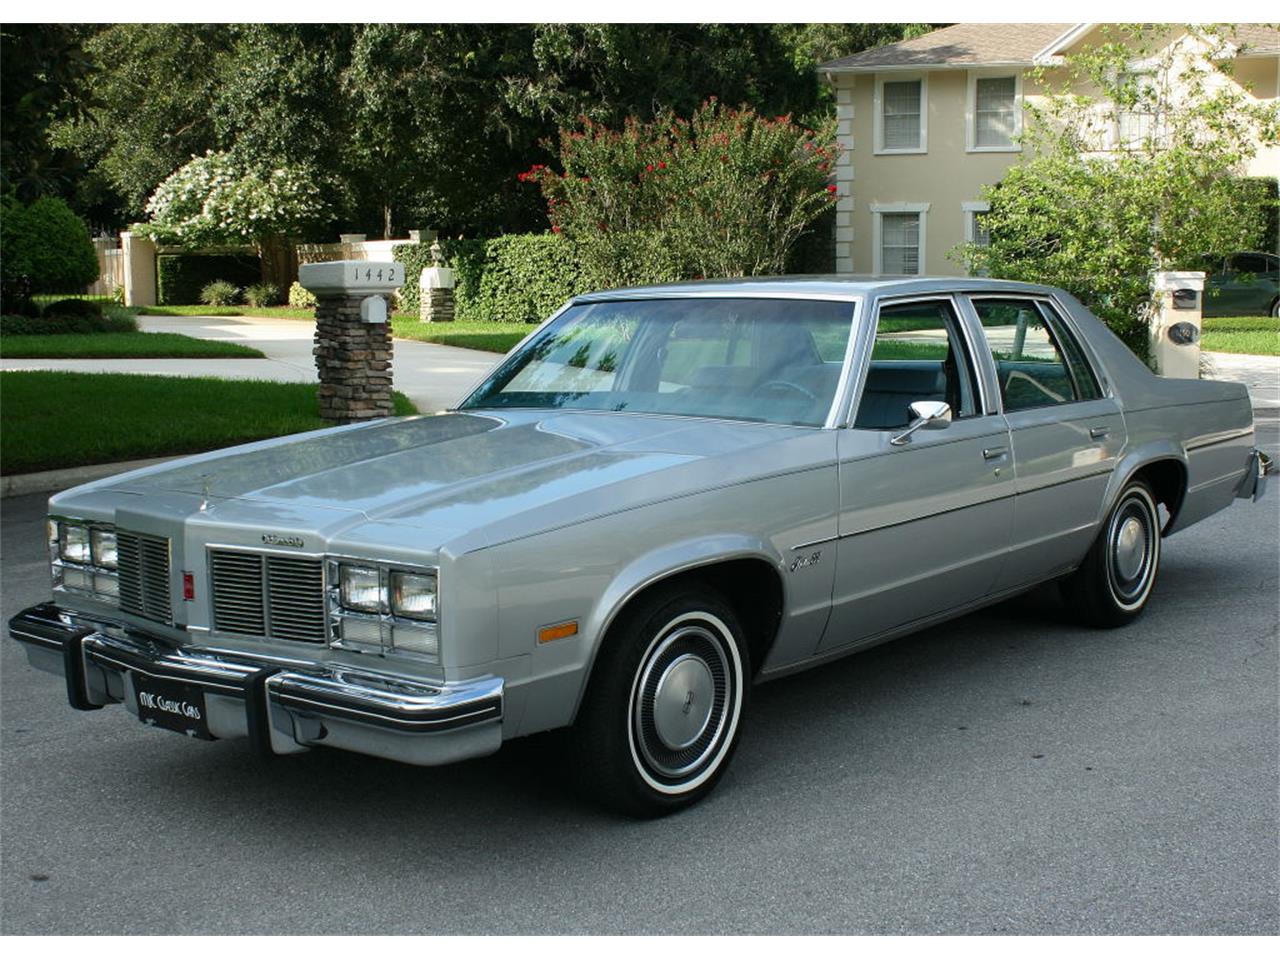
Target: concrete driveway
{"points": [[434, 377], [1009, 772]]}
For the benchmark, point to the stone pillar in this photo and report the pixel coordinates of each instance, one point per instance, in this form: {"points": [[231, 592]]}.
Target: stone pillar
{"points": [[435, 290], [1175, 327], [353, 336], [139, 254]]}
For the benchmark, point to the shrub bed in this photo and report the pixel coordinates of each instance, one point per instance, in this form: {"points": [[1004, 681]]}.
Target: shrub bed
{"points": [[181, 276]]}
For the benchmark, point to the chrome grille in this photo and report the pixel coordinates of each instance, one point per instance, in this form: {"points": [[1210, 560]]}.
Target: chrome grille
{"points": [[263, 595], [143, 563]]}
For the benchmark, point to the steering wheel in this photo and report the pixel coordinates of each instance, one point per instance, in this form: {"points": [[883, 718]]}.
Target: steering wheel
{"points": [[786, 385]]}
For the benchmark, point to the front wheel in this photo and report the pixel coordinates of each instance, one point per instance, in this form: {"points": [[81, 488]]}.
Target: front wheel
{"points": [[1113, 583], [663, 711]]}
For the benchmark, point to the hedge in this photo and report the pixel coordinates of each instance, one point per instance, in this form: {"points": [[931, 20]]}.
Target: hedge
{"points": [[518, 278], [181, 276]]}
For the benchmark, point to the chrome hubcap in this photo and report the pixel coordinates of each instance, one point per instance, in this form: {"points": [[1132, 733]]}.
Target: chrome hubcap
{"points": [[683, 700], [1131, 548], [682, 703]]}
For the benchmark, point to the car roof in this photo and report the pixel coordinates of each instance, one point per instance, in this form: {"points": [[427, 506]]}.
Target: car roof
{"points": [[841, 286]]}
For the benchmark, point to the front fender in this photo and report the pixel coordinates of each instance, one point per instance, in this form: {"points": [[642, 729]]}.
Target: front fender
{"points": [[562, 669]]}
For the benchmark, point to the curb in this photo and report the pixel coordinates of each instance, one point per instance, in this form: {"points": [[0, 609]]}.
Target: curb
{"points": [[48, 480]]}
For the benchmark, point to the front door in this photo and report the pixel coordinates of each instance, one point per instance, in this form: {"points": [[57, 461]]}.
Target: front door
{"points": [[924, 524]]}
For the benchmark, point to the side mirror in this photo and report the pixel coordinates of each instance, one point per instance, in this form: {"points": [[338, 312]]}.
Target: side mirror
{"points": [[929, 414]]}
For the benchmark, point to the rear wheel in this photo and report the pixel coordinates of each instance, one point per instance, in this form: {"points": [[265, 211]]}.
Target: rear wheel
{"points": [[1113, 583], [662, 714]]}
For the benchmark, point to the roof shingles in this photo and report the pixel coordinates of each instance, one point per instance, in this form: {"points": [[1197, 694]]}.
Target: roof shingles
{"points": [[963, 43]]}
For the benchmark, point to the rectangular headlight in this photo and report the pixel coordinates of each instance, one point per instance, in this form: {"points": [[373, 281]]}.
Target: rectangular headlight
{"points": [[102, 544], [73, 543], [360, 588], [413, 595]]}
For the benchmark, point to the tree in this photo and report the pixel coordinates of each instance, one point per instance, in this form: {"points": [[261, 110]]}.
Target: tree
{"points": [[724, 193], [218, 199], [41, 66], [145, 105], [1131, 171]]}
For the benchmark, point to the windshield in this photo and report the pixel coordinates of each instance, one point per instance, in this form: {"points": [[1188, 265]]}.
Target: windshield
{"points": [[768, 360]]}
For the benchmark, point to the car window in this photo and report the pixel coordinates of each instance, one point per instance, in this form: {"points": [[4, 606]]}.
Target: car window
{"points": [[1252, 263], [918, 355], [1029, 363], [771, 360]]}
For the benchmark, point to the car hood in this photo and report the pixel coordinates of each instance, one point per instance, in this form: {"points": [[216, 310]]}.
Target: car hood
{"points": [[491, 476]]}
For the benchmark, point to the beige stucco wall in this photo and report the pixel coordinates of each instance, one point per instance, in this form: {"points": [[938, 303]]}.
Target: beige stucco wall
{"points": [[948, 175], [1260, 76], [945, 177]]}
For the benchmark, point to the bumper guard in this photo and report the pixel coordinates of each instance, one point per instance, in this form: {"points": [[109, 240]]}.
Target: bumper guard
{"points": [[282, 706]]}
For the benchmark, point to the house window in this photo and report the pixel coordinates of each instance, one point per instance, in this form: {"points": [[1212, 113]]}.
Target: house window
{"points": [[899, 238], [994, 114], [975, 227], [900, 116], [900, 243]]}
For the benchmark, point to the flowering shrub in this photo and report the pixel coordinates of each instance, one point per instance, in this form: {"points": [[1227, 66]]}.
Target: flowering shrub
{"points": [[216, 199], [723, 193], [300, 296]]}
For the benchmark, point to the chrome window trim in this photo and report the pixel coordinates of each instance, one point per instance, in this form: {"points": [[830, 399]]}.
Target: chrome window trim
{"points": [[966, 336], [1043, 300], [832, 419]]}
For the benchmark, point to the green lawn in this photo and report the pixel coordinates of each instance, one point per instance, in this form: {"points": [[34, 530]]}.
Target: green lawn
{"points": [[239, 310], [145, 345], [1257, 335], [494, 337], [51, 420]]}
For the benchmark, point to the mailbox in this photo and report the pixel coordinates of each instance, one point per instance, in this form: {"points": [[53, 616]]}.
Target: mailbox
{"points": [[1185, 298]]}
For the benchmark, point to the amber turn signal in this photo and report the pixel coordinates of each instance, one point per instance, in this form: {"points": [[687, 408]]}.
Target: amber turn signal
{"points": [[558, 631]]}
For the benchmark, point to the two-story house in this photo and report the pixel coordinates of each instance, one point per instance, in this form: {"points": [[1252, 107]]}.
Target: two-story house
{"points": [[927, 123]]}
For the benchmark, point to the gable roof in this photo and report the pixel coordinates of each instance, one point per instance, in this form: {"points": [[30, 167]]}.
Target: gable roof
{"points": [[1004, 44], [961, 45]]}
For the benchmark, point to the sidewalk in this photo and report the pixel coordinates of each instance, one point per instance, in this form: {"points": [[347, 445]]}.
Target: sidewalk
{"points": [[434, 377]]}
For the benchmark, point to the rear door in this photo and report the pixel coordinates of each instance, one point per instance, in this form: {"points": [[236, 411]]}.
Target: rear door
{"points": [[923, 525], [1067, 435]]}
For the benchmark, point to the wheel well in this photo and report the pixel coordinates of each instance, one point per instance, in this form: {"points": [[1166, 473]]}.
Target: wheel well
{"points": [[1168, 481], [752, 587]]}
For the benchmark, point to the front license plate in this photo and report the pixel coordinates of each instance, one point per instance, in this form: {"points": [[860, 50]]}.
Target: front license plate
{"points": [[172, 705]]}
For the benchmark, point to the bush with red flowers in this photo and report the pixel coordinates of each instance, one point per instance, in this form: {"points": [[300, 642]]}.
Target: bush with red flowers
{"points": [[723, 193]]}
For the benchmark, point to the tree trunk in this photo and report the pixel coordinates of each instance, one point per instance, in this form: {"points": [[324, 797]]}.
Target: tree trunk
{"points": [[279, 261]]}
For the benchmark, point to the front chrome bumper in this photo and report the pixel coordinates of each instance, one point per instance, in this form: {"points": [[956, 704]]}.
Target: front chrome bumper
{"points": [[281, 706]]}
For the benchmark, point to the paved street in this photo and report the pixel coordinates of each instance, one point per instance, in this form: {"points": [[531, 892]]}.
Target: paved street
{"points": [[1006, 773], [431, 375]]}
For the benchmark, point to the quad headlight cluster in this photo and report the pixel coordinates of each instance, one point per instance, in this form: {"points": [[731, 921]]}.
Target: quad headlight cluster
{"points": [[379, 608], [84, 559]]}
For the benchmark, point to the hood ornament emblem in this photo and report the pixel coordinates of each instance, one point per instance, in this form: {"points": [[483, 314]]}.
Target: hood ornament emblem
{"points": [[204, 491]]}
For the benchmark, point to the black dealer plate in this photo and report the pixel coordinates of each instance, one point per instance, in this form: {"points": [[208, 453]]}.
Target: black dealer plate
{"points": [[172, 705]]}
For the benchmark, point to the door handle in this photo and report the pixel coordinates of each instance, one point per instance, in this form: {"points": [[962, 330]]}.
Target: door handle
{"points": [[995, 453], [1099, 433]]}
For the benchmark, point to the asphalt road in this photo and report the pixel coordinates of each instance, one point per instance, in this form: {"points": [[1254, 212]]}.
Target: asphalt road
{"points": [[1005, 773]]}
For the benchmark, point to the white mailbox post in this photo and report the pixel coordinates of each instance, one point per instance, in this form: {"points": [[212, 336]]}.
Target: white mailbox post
{"points": [[1175, 328], [353, 339]]}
